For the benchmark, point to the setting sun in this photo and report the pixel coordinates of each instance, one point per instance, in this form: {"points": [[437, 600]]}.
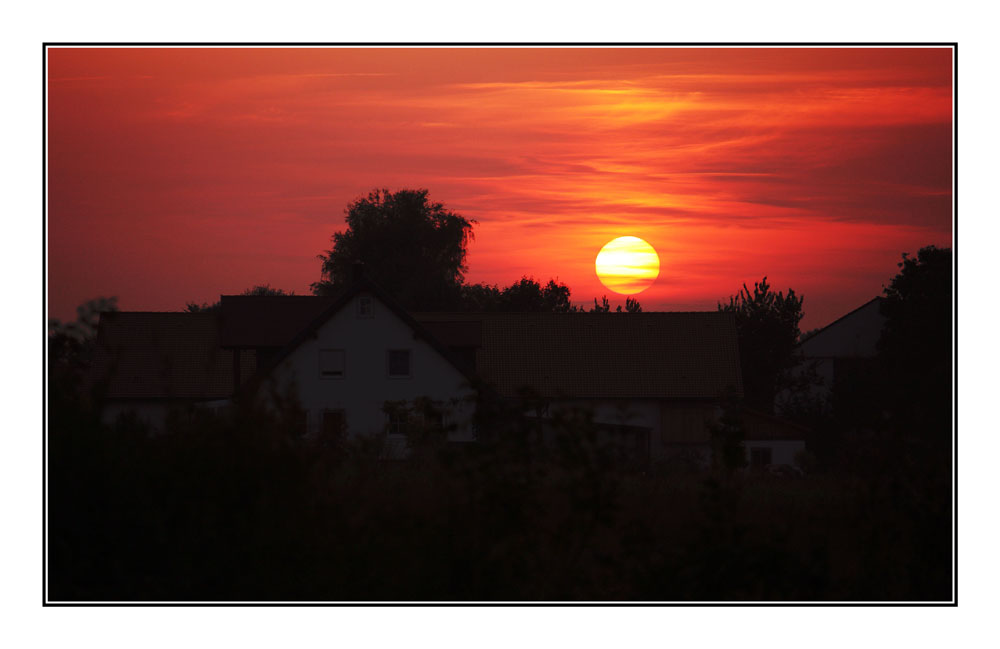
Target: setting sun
{"points": [[627, 265]]}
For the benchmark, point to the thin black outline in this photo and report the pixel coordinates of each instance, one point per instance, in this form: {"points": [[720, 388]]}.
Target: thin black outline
{"points": [[883, 44]]}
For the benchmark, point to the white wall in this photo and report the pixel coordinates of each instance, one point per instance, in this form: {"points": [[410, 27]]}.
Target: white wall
{"points": [[366, 386]]}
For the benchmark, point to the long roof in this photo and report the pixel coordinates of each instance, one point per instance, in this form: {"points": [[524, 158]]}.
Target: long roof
{"points": [[668, 355], [150, 355], [673, 355]]}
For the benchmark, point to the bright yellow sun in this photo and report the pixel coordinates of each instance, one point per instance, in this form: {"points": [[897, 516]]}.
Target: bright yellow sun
{"points": [[627, 265]]}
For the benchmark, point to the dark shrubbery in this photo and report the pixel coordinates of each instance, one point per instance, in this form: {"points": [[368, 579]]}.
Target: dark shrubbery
{"points": [[233, 508]]}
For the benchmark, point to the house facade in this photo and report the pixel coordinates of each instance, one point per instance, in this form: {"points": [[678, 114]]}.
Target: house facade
{"points": [[358, 364], [363, 368], [653, 381]]}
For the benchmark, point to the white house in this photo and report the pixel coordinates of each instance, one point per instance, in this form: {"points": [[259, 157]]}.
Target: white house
{"points": [[359, 364], [363, 366]]}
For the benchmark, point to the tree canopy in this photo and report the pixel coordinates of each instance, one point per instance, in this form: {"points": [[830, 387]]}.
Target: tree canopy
{"points": [[916, 343], [71, 345], [260, 289], [525, 295], [410, 246], [767, 328]]}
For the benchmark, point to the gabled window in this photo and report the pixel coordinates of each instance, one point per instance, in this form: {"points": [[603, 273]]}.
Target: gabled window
{"points": [[331, 363], [365, 307], [398, 363]]}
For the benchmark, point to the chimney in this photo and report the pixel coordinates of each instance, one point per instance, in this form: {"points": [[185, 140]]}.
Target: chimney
{"points": [[357, 271]]}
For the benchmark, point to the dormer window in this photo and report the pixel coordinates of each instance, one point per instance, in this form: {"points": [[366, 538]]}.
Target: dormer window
{"points": [[331, 363], [365, 307]]}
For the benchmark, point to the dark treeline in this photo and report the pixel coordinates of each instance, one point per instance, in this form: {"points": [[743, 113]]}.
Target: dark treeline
{"points": [[235, 508]]}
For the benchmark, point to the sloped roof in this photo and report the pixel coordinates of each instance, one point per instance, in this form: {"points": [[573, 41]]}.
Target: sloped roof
{"points": [[164, 355], [675, 355], [570, 355], [267, 320], [854, 334]]}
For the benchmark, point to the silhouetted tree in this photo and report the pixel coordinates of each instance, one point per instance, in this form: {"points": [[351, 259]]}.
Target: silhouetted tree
{"points": [[767, 328], [526, 295], [603, 307], [631, 306], [411, 247], [726, 434], [916, 343], [260, 289], [71, 345], [915, 458]]}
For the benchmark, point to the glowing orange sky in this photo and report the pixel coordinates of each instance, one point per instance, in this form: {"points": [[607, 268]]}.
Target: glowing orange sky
{"points": [[179, 174]]}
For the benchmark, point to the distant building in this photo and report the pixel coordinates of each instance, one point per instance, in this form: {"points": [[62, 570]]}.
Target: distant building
{"points": [[359, 364], [843, 350]]}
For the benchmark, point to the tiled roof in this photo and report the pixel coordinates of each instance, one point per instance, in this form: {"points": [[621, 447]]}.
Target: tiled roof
{"points": [[571, 355], [164, 355], [267, 320], [608, 355]]}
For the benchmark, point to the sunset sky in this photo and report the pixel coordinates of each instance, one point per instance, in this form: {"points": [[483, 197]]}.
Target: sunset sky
{"points": [[176, 175]]}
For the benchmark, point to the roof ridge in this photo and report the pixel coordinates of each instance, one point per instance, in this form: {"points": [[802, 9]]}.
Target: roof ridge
{"points": [[816, 332]]}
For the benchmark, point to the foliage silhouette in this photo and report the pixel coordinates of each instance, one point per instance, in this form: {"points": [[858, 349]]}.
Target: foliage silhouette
{"points": [[260, 289], [525, 295], [237, 507], [916, 343], [411, 247], [71, 346], [767, 327]]}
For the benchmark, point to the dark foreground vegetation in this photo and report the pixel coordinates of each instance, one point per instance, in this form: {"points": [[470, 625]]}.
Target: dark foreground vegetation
{"points": [[236, 509]]}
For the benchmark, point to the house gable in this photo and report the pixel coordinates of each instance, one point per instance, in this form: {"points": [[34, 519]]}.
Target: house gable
{"points": [[361, 354]]}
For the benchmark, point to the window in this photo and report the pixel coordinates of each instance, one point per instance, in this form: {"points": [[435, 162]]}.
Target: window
{"points": [[365, 307], [760, 457], [331, 363], [398, 361]]}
